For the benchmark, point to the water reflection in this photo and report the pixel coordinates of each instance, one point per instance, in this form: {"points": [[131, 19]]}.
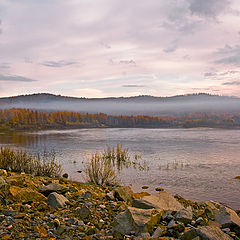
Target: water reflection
{"points": [[23, 139]]}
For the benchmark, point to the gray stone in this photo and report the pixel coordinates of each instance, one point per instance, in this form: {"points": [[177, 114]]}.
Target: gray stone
{"points": [[83, 212], [53, 187], [228, 219], [206, 233], [87, 194], [144, 235], [163, 201], [110, 196], [87, 204], [210, 213], [157, 233], [184, 215], [102, 206], [123, 193], [57, 200], [2, 181], [196, 238], [138, 203], [171, 223], [167, 217], [178, 227], [200, 221], [226, 230]]}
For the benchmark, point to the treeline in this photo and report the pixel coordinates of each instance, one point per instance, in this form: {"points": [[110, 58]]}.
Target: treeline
{"points": [[31, 119]]}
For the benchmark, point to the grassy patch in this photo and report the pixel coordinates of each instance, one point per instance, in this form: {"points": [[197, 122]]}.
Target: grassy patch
{"points": [[20, 161]]}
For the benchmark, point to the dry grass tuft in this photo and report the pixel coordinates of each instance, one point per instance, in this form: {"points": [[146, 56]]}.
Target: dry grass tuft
{"points": [[100, 171], [20, 161]]}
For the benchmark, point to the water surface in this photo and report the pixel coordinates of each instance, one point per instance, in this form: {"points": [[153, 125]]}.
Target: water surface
{"points": [[198, 164]]}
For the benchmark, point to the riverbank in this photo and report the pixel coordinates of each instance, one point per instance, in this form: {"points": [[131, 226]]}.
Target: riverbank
{"points": [[48, 208]]}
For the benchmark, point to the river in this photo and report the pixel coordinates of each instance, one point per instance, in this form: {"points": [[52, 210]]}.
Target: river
{"points": [[198, 164]]}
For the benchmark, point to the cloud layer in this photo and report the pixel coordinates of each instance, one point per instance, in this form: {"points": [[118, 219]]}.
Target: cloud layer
{"points": [[14, 78], [119, 48]]}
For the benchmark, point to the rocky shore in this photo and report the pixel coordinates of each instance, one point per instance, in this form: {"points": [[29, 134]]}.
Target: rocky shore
{"points": [[45, 208]]}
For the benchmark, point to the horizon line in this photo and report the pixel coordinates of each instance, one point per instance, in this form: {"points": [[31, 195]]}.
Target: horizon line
{"points": [[134, 96]]}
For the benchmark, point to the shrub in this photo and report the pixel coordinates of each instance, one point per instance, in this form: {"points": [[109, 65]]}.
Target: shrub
{"points": [[20, 161], [100, 171]]}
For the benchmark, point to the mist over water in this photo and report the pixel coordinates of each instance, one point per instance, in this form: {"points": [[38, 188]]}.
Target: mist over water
{"points": [[198, 164], [145, 105]]}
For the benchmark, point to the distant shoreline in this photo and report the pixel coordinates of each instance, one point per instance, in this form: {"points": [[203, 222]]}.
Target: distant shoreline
{"points": [[78, 128], [27, 119]]}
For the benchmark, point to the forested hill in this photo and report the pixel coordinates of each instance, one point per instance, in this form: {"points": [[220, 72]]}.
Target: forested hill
{"points": [[138, 105]]}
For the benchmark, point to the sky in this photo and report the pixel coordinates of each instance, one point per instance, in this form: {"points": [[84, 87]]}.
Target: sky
{"points": [[105, 48]]}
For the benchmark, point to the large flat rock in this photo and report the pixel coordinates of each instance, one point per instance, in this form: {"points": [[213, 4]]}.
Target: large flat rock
{"points": [[206, 233], [163, 201]]}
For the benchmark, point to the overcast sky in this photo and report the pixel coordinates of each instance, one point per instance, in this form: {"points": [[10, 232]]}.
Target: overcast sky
{"points": [[102, 48]]}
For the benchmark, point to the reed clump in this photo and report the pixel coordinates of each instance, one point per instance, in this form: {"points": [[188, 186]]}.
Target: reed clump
{"points": [[103, 167], [21, 161], [100, 171], [117, 156]]}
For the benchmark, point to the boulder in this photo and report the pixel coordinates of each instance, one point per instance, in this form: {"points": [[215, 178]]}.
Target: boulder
{"points": [[163, 201], [135, 219], [25, 194], [157, 233], [57, 200], [228, 218], [145, 219], [206, 233], [53, 187], [123, 193], [184, 215], [124, 223]]}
